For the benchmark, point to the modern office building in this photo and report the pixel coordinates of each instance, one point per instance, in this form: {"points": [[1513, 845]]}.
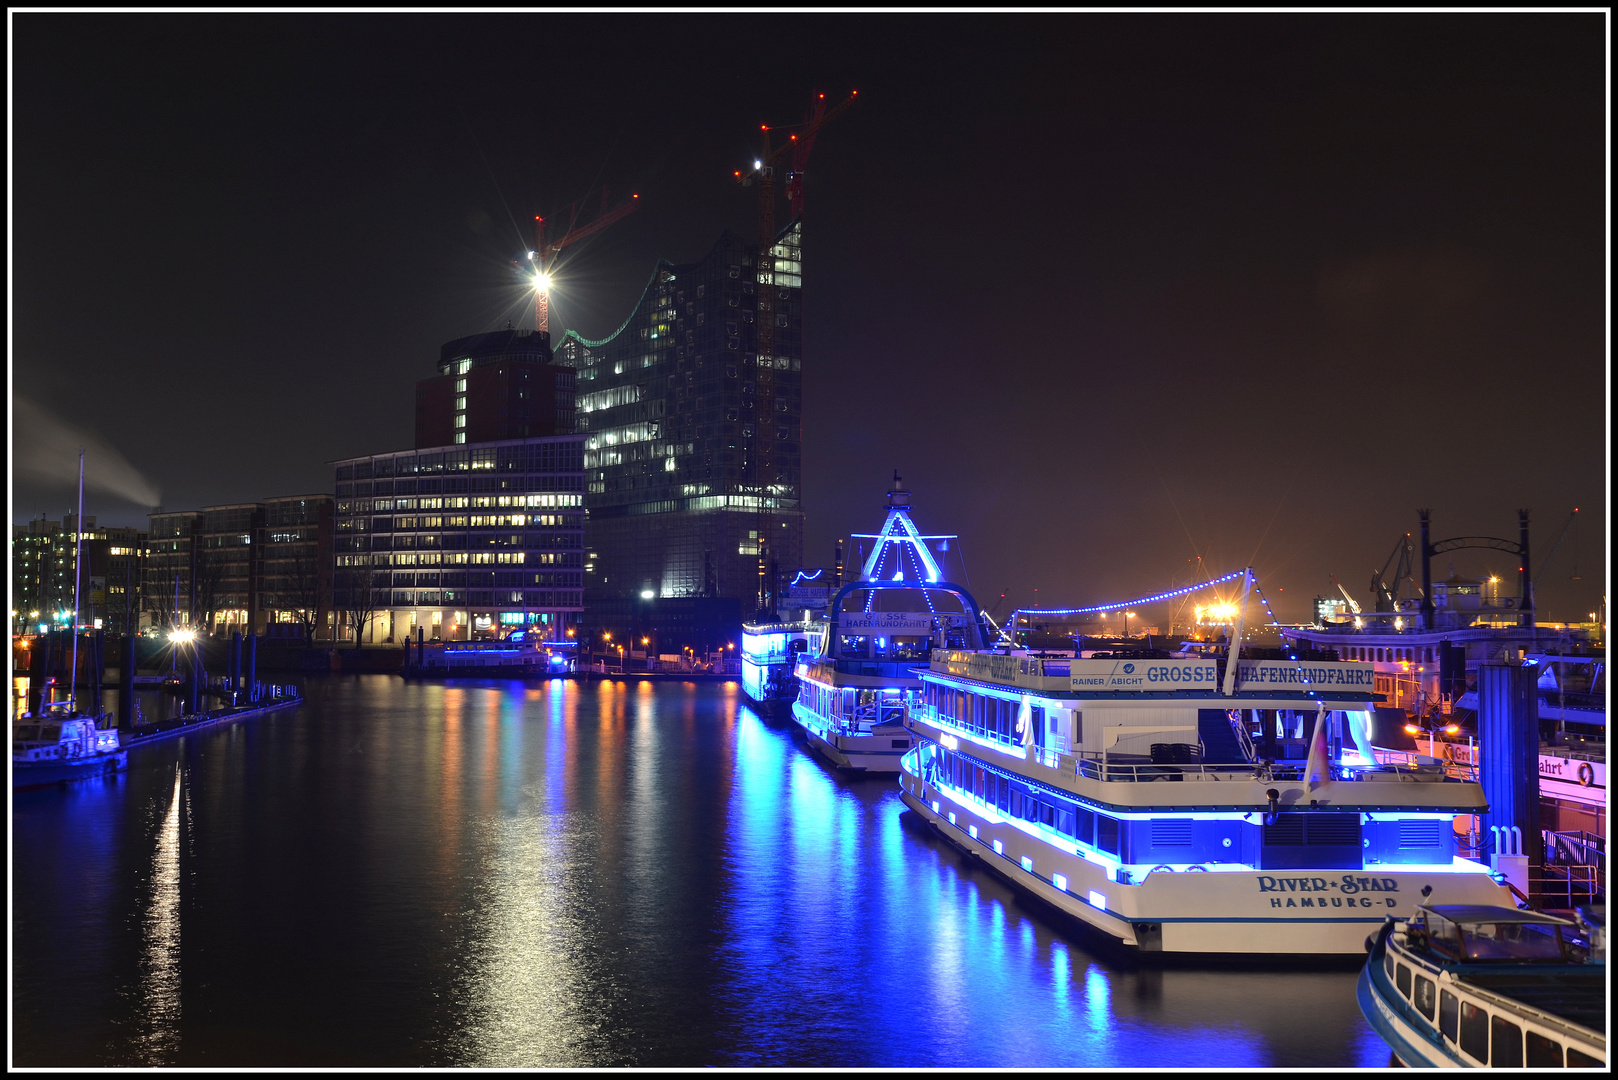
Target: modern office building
{"points": [[226, 579], [692, 450], [461, 541], [295, 564], [168, 595], [240, 567], [43, 555], [38, 571]]}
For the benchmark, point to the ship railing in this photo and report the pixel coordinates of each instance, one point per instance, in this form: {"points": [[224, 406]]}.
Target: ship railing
{"points": [[1558, 885], [1411, 761], [1111, 770], [863, 717], [1244, 737], [1576, 848]]}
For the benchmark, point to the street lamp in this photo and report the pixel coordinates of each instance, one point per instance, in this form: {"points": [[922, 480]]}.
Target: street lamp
{"points": [[1127, 616], [1432, 735]]}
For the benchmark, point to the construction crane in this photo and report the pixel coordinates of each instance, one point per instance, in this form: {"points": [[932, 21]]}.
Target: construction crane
{"points": [[761, 447], [1353, 604], [1545, 563], [1386, 592], [544, 253]]}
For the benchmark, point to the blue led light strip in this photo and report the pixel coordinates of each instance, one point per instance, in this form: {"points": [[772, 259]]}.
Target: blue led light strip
{"points": [[1133, 603], [1265, 601]]}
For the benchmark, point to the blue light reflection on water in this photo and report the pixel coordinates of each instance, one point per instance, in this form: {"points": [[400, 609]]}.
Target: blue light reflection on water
{"points": [[577, 874]]}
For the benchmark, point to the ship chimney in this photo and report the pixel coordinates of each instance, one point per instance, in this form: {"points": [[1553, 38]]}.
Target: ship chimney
{"points": [[898, 497]]}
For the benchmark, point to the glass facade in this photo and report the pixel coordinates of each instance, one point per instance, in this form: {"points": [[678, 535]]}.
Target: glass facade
{"points": [[461, 541], [692, 439]]}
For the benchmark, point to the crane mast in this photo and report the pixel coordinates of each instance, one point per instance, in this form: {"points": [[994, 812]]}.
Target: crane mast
{"points": [[544, 253], [761, 447]]}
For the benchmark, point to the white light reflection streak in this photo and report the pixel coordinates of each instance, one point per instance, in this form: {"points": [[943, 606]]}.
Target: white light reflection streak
{"points": [[160, 977]]}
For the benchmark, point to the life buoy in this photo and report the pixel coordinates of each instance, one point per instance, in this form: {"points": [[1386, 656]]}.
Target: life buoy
{"points": [[1587, 773]]}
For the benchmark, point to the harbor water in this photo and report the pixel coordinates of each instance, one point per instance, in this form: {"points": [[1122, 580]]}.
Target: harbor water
{"points": [[573, 873]]}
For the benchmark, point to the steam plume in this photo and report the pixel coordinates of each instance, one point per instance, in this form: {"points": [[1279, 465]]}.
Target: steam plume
{"points": [[46, 449]]}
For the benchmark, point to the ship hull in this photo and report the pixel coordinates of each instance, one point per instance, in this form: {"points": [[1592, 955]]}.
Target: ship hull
{"points": [[1299, 912], [26, 775]]}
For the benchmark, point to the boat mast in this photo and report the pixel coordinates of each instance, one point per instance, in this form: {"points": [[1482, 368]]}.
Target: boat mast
{"points": [[78, 547], [1234, 653]]}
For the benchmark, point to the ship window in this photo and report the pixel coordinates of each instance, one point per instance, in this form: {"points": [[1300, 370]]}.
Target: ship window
{"points": [[1423, 997], [1578, 1059], [1449, 1014], [1047, 814], [1505, 1039], [1085, 825], [1403, 979], [1543, 1053], [1474, 1038], [1107, 834]]}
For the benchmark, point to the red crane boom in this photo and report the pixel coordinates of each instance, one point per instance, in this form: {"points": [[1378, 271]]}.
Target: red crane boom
{"points": [[543, 252]]}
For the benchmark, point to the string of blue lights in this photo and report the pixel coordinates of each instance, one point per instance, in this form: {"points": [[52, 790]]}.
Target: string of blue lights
{"points": [[1271, 611], [1133, 603]]}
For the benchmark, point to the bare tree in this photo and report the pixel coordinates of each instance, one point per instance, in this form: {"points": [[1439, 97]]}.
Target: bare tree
{"points": [[157, 599], [208, 589], [358, 596], [297, 585]]}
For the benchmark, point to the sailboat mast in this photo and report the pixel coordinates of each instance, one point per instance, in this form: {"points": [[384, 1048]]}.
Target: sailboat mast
{"points": [[78, 546]]}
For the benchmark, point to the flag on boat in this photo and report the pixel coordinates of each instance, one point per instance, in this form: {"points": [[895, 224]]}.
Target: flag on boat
{"points": [[1317, 770], [1025, 726]]}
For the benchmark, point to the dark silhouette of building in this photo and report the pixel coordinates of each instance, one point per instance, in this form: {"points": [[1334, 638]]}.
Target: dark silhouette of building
{"points": [[492, 387]]}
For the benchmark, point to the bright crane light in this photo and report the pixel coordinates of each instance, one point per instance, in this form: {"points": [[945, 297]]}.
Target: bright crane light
{"points": [[542, 282]]}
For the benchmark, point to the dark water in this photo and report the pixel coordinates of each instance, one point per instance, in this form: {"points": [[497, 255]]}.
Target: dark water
{"points": [[509, 874]]}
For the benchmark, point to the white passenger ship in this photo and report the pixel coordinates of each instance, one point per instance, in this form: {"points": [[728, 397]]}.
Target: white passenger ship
{"points": [[1484, 987], [853, 691], [1127, 792], [770, 650]]}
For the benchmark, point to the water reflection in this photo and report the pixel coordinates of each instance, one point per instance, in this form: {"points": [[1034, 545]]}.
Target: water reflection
{"points": [[160, 972], [581, 875]]}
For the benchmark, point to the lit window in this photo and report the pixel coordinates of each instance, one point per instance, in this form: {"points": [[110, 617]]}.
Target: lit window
{"points": [[460, 436], [460, 403], [460, 421], [460, 386]]}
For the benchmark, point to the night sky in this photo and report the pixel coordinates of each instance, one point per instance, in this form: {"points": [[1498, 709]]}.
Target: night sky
{"points": [[1113, 292]]}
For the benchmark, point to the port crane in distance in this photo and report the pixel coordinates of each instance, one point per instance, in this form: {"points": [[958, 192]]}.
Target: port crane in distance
{"points": [[1386, 590], [1353, 604]]}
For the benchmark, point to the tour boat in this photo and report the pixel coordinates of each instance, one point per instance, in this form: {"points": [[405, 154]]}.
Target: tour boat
{"points": [[1126, 790], [854, 689], [1466, 986], [60, 745], [770, 650]]}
